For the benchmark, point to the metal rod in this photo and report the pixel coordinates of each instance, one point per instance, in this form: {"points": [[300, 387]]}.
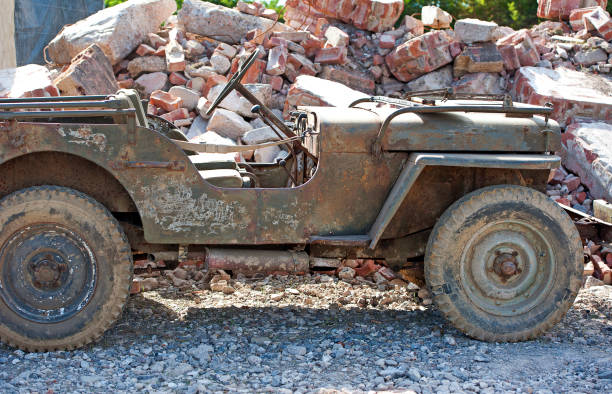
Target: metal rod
{"points": [[114, 104], [64, 114], [274, 119], [52, 99]]}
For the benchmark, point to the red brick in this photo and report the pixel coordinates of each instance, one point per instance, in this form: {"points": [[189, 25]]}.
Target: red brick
{"points": [[165, 100], [576, 17], [269, 14], [255, 72], [156, 41], [373, 15], [312, 45], [211, 82], [247, 8], [526, 49], [181, 113], [367, 268], [321, 27], [277, 60], [609, 260], [135, 287], [151, 109], [567, 90], [557, 176], [561, 9], [599, 20], [177, 79], [126, 83], [572, 183], [175, 57], [580, 197], [275, 81], [387, 41], [335, 55], [302, 63], [161, 52], [350, 78], [144, 50], [564, 201], [387, 273], [272, 42], [511, 60], [256, 36], [420, 55]]}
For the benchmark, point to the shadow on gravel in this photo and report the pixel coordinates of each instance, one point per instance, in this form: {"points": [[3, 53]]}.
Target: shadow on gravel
{"points": [[277, 323]]}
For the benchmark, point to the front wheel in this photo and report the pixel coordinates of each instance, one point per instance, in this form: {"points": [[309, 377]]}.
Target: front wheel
{"points": [[504, 263], [65, 269]]}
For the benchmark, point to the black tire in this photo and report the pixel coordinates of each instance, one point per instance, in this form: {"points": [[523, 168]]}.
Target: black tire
{"points": [[504, 264], [65, 269]]}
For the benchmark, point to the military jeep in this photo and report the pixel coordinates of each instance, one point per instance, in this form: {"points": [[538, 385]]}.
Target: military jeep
{"points": [[449, 186]]}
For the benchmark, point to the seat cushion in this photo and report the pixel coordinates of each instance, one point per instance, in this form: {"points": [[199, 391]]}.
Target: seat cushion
{"points": [[213, 161], [223, 178]]}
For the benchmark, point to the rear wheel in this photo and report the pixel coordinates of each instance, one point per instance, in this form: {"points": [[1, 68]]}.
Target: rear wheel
{"points": [[504, 263], [65, 269]]}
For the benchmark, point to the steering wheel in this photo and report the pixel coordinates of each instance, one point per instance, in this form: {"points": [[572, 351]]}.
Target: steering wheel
{"points": [[236, 78]]}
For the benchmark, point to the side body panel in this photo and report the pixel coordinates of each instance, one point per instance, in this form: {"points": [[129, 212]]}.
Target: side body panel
{"points": [[343, 198]]}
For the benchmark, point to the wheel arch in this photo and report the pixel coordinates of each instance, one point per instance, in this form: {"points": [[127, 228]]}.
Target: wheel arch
{"points": [[431, 182], [66, 170]]}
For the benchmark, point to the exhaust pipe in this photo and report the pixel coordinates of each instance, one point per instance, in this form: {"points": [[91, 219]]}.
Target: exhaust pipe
{"points": [[254, 261]]}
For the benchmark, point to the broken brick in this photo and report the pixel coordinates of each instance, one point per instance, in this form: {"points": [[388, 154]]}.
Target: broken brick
{"points": [[511, 59], [334, 55], [576, 18], [420, 55], [277, 60], [387, 41], [479, 58], [336, 37], [350, 78], [561, 9], [599, 20], [177, 79], [165, 100], [144, 50], [181, 113], [175, 56]]}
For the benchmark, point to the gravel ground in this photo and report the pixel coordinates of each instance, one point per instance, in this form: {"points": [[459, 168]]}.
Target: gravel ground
{"points": [[316, 334]]}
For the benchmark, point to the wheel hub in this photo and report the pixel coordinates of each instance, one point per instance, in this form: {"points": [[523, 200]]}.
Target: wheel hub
{"points": [[508, 267], [47, 273], [47, 270]]}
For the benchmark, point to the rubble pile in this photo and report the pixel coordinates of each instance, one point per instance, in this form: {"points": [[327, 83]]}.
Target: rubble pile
{"points": [[189, 276]]}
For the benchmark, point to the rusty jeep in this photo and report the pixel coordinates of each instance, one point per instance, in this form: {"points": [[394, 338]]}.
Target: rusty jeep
{"points": [[431, 183]]}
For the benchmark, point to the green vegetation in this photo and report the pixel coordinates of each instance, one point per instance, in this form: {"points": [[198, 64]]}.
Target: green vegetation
{"points": [[514, 13], [517, 13]]}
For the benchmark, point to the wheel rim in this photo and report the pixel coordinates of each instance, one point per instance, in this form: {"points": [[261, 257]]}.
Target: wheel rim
{"points": [[48, 273], [507, 268]]}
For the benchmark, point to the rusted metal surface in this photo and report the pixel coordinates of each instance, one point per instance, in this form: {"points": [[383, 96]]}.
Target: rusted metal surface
{"points": [[254, 260], [401, 107], [450, 132], [418, 161], [589, 227], [334, 210]]}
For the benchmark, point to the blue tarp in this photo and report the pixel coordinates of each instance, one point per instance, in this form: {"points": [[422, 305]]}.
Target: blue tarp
{"points": [[38, 21]]}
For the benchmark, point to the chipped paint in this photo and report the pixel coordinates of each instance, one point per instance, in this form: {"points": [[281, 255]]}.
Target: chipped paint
{"points": [[172, 205], [84, 136]]}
